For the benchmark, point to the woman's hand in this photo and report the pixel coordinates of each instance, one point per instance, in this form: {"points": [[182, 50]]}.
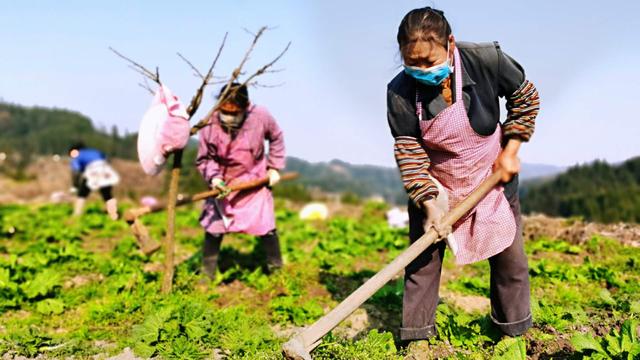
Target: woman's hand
{"points": [[435, 215], [219, 184], [508, 160]]}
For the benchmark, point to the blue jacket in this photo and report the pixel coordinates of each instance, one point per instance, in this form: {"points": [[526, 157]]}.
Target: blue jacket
{"points": [[86, 157]]}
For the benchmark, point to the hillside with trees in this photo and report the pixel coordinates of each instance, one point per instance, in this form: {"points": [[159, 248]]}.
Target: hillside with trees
{"points": [[36, 130], [598, 192]]}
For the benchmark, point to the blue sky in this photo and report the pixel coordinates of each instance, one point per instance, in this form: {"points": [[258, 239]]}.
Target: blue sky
{"points": [[582, 55]]}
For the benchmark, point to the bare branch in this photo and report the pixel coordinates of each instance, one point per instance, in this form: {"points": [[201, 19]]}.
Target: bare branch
{"points": [[213, 64], [155, 77], [195, 70], [223, 81], [215, 60], [197, 98], [266, 67], [146, 87], [234, 76], [228, 91], [138, 71], [274, 71], [259, 85], [255, 34], [237, 71], [249, 32]]}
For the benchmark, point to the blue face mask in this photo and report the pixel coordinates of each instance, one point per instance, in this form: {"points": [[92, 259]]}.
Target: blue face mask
{"points": [[432, 76]]}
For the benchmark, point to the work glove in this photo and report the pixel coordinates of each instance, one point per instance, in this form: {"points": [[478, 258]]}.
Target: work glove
{"points": [[217, 183], [274, 177]]}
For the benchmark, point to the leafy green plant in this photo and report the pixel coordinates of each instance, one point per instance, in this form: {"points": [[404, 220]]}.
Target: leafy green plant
{"points": [[618, 344], [28, 341], [557, 316], [289, 309], [50, 307], [471, 285], [375, 346], [553, 245], [146, 336], [460, 329], [510, 349], [82, 288], [9, 296], [41, 285]]}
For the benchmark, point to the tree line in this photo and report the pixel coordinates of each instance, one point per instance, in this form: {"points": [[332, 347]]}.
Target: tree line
{"points": [[29, 131], [36, 130], [598, 192]]}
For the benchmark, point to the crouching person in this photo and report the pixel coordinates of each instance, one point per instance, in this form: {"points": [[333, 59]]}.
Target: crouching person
{"points": [[90, 171]]}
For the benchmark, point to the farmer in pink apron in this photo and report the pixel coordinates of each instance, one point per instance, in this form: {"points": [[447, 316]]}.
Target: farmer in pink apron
{"points": [[232, 151], [443, 112]]}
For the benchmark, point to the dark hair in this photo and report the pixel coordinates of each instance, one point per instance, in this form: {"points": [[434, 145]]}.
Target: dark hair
{"points": [[427, 24], [238, 94], [76, 146]]}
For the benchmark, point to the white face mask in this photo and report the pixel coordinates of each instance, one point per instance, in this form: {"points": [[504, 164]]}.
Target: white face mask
{"points": [[231, 120]]}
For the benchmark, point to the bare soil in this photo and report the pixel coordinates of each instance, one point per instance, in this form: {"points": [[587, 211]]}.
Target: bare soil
{"points": [[47, 176]]}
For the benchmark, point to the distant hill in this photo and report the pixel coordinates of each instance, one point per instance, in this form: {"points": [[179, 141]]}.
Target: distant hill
{"points": [[339, 177], [28, 131], [37, 130], [537, 171], [369, 180], [597, 191]]}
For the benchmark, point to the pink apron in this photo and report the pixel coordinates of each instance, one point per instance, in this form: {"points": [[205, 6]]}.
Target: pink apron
{"points": [[249, 211], [461, 159]]}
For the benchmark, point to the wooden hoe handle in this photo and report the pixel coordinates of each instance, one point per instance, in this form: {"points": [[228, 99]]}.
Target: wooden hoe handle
{"points": [[301, 345], [133, 214]]}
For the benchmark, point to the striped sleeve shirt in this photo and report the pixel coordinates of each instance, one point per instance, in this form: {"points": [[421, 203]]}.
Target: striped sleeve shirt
{"points": [[413, 162], [488, 73], [522, 109]]}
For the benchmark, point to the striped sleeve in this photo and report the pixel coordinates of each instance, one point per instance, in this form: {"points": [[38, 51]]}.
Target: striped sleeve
{"points": [[414, 163], [522, 109]]}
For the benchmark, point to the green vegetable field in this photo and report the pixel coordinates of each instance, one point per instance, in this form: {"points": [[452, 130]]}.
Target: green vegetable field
{"points": [[81, 288]]}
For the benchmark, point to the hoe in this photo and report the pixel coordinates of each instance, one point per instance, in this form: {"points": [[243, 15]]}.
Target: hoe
{"points": [[301, 344], [148, 245]]}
